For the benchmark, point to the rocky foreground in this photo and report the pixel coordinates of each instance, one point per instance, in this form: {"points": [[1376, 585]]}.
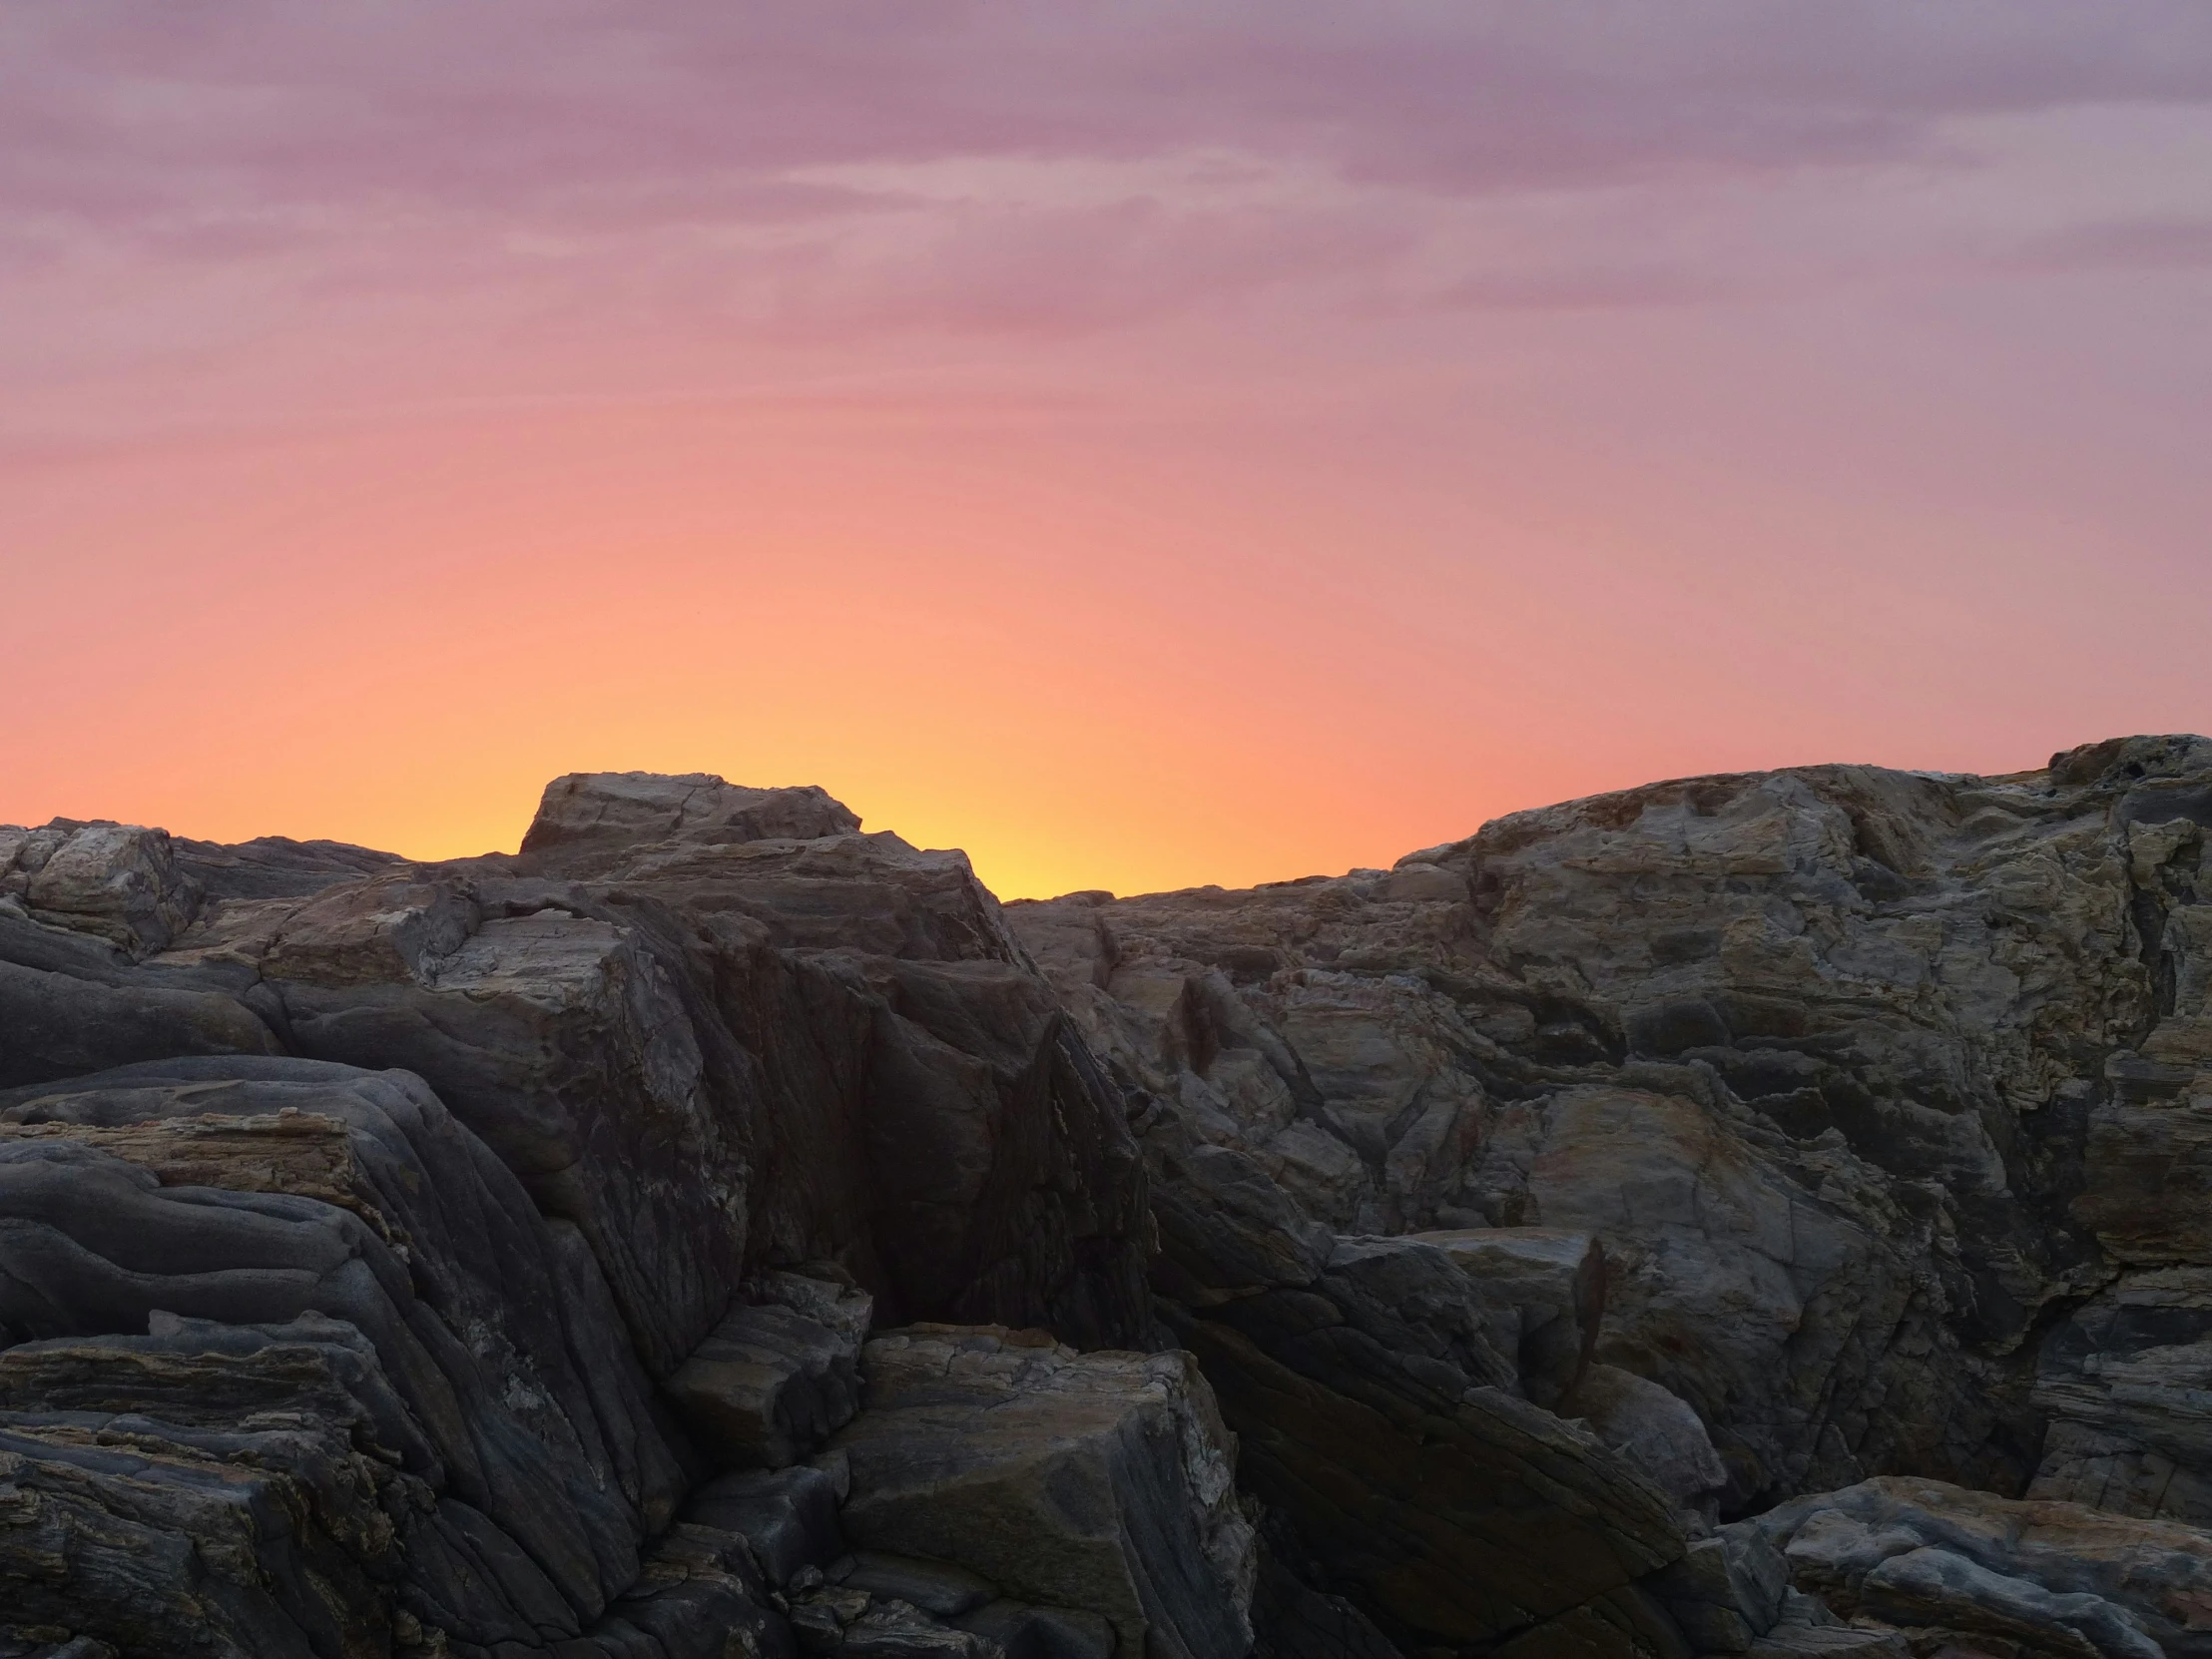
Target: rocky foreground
{"points": [[1762, 1215]]}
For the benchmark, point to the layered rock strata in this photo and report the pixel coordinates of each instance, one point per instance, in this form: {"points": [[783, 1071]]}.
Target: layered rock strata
{"points": [[1755, 1215], [1875, 1089], [371, 1233]]}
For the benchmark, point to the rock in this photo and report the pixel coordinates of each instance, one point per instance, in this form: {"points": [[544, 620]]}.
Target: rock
{"points": [[612, 811], [424, 1377], [789, 1516], [1414, 1299], [1653, 1430], [431, 1176], [1727, 1592], [71, 1005], [895, 1631], [771, 1384], [933, 1586], [2056, 1578], [1856, 1077], [1102, 1482], [1806, 1630], [1024, 1632], [1456, 1514], [368, 1229], [1292, 1620], [700, 1092], [274, 867], [116, 882], [1543, 1290], [1933, 1587], [2123, 1378]]}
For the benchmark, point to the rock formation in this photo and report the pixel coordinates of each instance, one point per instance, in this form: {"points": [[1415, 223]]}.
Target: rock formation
{"points": [[1750, 1215]]}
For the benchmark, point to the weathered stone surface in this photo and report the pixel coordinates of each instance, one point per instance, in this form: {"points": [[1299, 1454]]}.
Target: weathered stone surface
{"points": [[73, 1004], [1542, 1292], [1635, 1163], [704, 1048], [789, 1516], [1101, 1481], [1859, 1078], [1459, 1513], [116, 881], [1725, 1593], [2053, 1578], [595, 813], [933, 1586], [1041, 1632], [418, 1404], [1655, 1431], [777, 1377]]}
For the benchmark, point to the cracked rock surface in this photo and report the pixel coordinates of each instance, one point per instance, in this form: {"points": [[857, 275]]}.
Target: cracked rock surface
{"points": [[1878, 1092], [1755, 1215]]}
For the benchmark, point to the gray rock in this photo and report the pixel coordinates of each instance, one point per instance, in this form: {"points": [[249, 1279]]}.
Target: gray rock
{"points": [[596, 812], [351, 1317], [116, 881], [1858, 1077], [1543, 1295], [1727, 1591], [789, 1516], [2055, 1577], [892, 1630], [1653, 1430], [1784, 1129], [1935, 1587], [771, 1383], [936, 1588], [1025, 1632], [1806, 1630], [1102, 1482], [692, 1036]]}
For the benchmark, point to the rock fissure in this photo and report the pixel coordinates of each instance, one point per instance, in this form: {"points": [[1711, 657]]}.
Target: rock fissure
{"points": [[716, 1224]]}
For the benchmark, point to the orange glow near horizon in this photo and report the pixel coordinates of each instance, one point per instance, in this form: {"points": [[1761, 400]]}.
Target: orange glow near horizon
{"points": [[1262, 470]]}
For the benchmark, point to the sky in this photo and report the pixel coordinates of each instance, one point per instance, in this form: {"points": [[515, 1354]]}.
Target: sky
{"points": [[1141, 443]]}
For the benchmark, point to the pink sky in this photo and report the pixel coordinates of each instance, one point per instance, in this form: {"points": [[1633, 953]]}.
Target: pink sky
{"points": [[1143, 444]]}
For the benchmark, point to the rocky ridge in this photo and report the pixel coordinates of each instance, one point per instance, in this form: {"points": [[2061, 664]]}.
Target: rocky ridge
{"points": [[1758, 1214]]}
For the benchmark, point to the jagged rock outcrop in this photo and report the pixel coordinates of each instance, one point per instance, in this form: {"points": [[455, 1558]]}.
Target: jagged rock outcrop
{"points": [[706, 1025], [1759, 1215], [1874, 1087], [368, 1227], [301, 1406]]}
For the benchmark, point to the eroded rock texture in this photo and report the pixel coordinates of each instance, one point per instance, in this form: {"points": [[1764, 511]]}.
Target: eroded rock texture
{"points": [[1875, 1089], [357, 1217], [1760, 1215]]}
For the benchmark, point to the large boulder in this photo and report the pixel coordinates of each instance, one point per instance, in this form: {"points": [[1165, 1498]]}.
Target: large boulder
{"points": [[1101, 1481]]}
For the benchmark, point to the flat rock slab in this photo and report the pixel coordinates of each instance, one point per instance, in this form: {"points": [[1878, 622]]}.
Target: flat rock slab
{"points": [[1102, 1482]]}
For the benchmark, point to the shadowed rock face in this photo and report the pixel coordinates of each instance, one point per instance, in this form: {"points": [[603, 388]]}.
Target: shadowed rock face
{"points": [[705, 1025], [479, 1257], [1875, 1089], [282, 1399], [354, 1212]]}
